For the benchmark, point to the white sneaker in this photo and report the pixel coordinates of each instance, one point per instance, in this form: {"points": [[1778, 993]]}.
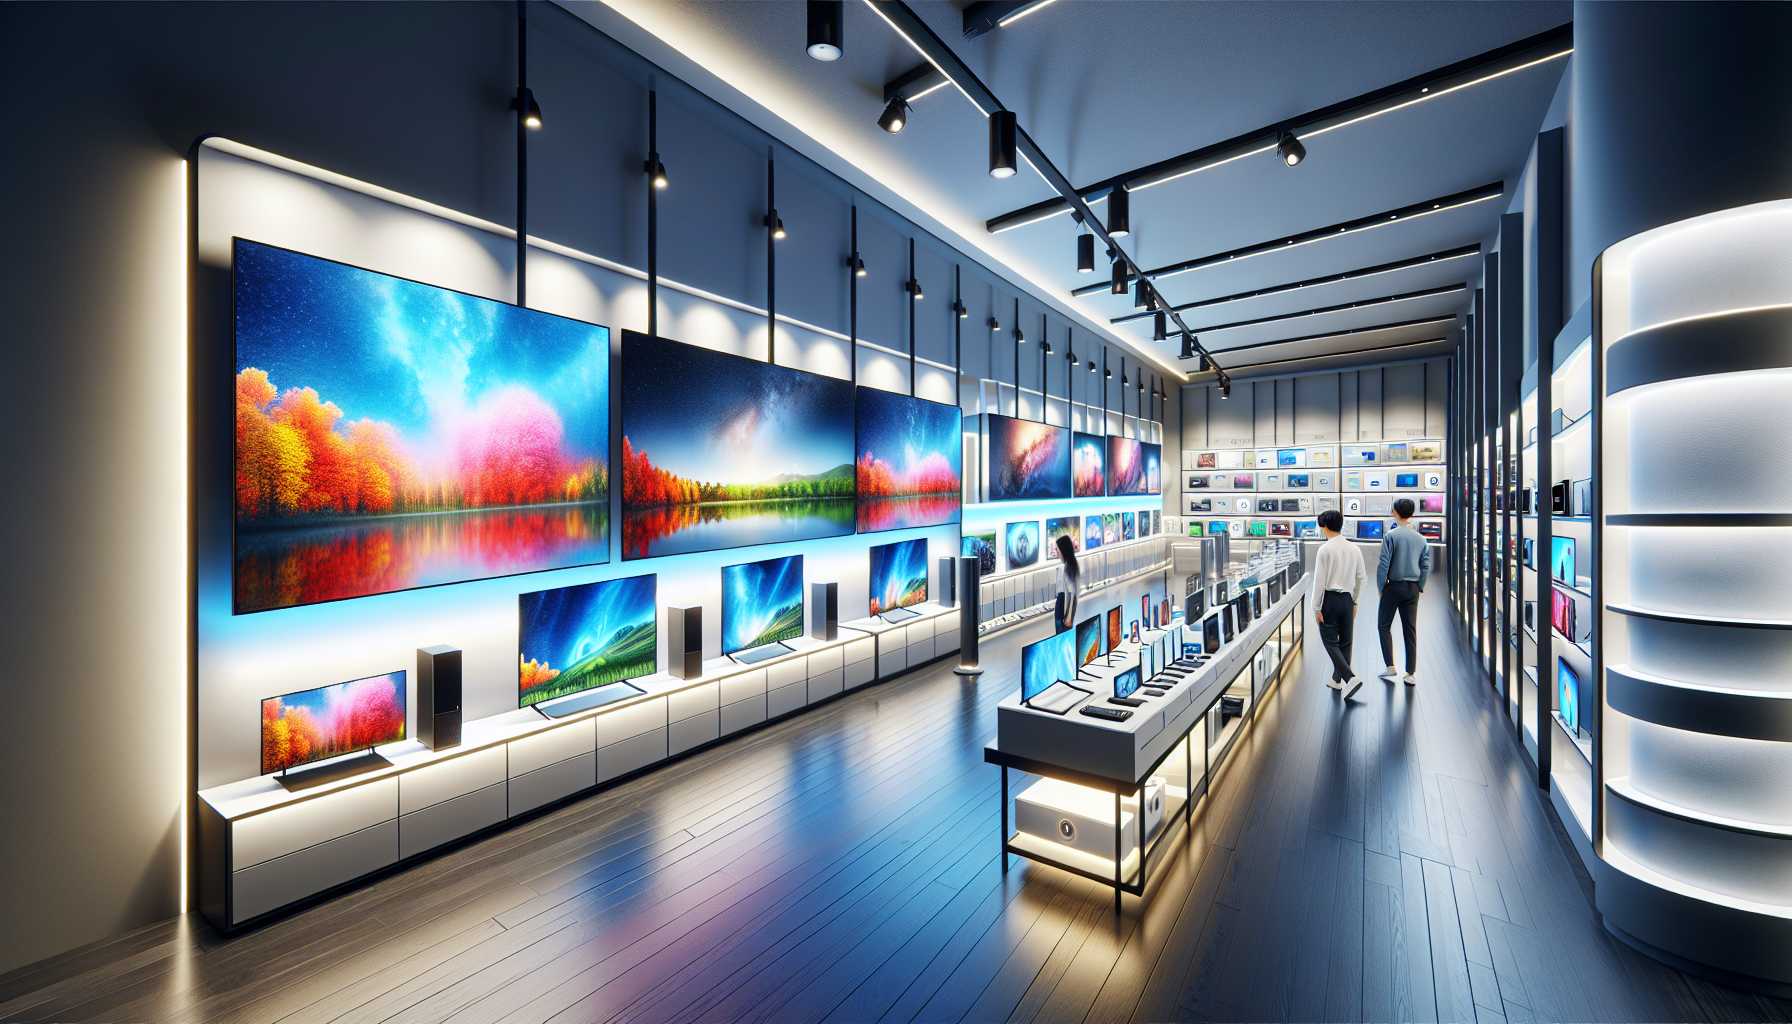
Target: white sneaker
{"points": [[1350, 688], [1334, 684], [1390, 673], [1410, 679]]}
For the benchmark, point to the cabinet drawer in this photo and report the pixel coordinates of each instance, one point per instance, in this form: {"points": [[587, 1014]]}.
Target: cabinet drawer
{"points": [[276, 833], [454, 777], [826, 660], [552, 746], [634, 720], [631, 754], [860, 672], [786, 699], [945, 625], [742, 686], [920, 652], [891, 660], [945, 644], [784, 673], [694, 701], [862, 649], [545, 785], [741, 714], [275, 883], [825, 685], [695, 731], [451, 819]]}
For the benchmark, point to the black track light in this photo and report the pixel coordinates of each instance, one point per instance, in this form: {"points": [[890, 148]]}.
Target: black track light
{"points": [[1206, 361], [1020, 336], [914, 288], [827, 19], [995, 326], [528, 109], [1290, 149], [895, 115], [656, 172], [1140, 299], [1003, 156], [1159, 326], [1188, 347], [961, 309], [1124, 382], [1045, 347], [1225, 387], [1107, 375], [1119, 285], [776, 223], [1119, 211], [1141, 384], [857, 263], [1085, 254], [1091, 366]]}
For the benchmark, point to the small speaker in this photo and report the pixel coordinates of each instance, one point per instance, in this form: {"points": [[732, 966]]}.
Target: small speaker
{"points": [[824, 611], [684, 642], [949, 582], [438, 696]]}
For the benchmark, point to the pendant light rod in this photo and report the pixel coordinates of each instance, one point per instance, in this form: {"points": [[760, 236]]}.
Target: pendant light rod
{"points": [[653, 214], [522, 154], [912, 292], [771, 257], [852, 295]]}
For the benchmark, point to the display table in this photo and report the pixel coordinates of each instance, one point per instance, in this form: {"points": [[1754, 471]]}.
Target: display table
{"points": [[1087, 758]]}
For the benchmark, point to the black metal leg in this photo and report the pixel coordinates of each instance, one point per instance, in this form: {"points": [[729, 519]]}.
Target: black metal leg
{"points": [[1117, 878], [1004, 826], [1188, 775]]}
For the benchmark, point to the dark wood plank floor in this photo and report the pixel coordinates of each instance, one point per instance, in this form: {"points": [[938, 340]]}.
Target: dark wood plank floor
{"points": [[1391, 861]]}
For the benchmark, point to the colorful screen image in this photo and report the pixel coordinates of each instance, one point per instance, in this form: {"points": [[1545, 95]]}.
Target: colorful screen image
{"points": [[1306, 527], [1244, 481], [1368, 529], [1110, 527], [1092, 532], [898, 575], [1207, 460], [1088, 465], [720, 451], [1027, 459], [909, 464], [1128, 526], [982, 545], [1281, 528], [1426, 451], [1561, 559], [1127, 682], [762, 603], [1568, 695], [1290, 456], [1299, 480], [1432, 504], [330, 721], [1561, 612], [1199, 482], [1431, 530], [1218, 527], [1021, 541], [1067, 526], [1126, 466], [1088, 640], [392, 435], [1406, 479], [1258, 528], [1153, 454], [1115, 629], [1045, 663], [578, 638], [1145, 527], [1196, 529], [1395, 453]]}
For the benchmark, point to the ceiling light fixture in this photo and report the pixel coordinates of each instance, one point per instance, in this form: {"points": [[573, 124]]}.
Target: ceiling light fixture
{"points": [[1003, 155], [895, 116], [857, 263], [776, 223], [1091, 366], [1289, 149], [1188, 347], [1119, 212], [1020, 336], [961, 309], [914, 289], [525, 105], [827, 29], [1085, 253], [1225, 387], [995, 325], [656, 172], [1158, 326], [1206, 361], [1022, 11]]}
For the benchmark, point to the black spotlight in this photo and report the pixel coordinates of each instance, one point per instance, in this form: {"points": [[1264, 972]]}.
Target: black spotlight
{"points": [[914, 288], [961, 309], [895, 115], [1290, 149], [1159, 328], [1003, 158], [1225, 387], [1188, 347], [857, 263], [1119, 211], [776, 223], [995, 325], [1107, 375], [1206, 361], [1140, 300], [656, 172], [1091, 366], [528, 109], [1020, 336], [1085, 254], [826, 29], [1119, 285]]}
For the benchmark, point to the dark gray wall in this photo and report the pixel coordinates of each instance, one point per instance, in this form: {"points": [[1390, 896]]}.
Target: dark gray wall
{"points": [[108, 100]]}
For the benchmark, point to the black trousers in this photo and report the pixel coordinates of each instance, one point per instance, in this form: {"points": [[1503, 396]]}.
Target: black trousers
{"points": [[1338, 630], [1399, 596]]}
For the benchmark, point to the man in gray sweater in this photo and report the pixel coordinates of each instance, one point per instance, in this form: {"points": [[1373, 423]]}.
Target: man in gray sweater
{"points": [[1405, 562]]}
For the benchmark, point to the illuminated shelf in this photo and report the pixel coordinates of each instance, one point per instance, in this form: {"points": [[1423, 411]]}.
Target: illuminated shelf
{"points": [[1695, 707]]}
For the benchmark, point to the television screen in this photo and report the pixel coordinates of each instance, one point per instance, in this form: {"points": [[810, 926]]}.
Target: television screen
{"points": [[762, 603], [721, 451], [1226, 622], [1281, 528], [1045, 663], [1368, 529], [1258, 528], [1561, 559], [1396, 453], [1128, 526], [1196, 529], [1210, 633], [1194, 605], [1110, 527], [1406, 479], [1306, 527], [1256, 602], [1153, 455], [898, 575], [1431, 530], [1068, 526], [1568, 695], [330, 721], [1561, 612], [1126, 466], [910, 459], [1114, 628], [1275, 589], [983, 546], [1268, 505], [1244, 481], [1027, 459], [1127, 682], [1092, 532], [573, 639], [1289, 456], [1145, 529], [1299, 480], [1021, 541], [1218, 527], [1432, 504], [1088, 465], [392, 435], [1088, 640], [1241, 610]]}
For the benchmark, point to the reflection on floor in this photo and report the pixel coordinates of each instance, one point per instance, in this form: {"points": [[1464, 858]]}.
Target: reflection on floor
{"points": [[1390, 862]]}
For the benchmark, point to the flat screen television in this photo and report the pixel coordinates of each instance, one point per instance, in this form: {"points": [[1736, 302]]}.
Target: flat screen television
{"points": [[326, 722], [1210, 633], [721, 451], [1110, 527], [1300, 480], [1088, 640], [1194, 605], [390, 435], [1126, 466], [1026, 459], [1368, 529], [1092, 532], [1568, 695], [898, 575], [1088, 465], [1306, 527], [762, 603], [982, 546], [1154, 473], [1432, 504], [1561, 612], [1021, 541], [1561, 559], [1241, 611], [908, 461], [1115, 627], [1045, 663], [1126, 683], [1065, 526], [1406, 479], [1289, 456], [1244, 481], [574, 639], [1128, 526]]}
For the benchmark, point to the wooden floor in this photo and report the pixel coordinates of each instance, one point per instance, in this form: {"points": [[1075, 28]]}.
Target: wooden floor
{"points": [[1391, 861]]}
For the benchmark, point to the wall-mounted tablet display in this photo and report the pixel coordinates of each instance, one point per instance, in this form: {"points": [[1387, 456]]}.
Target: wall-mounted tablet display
{"points": [[1291, 457], [1268, 505], [1431, 529], [1369, 529], [1210, 633], [1145, 529], [982, 546], [898, 575], [392, 435], [1088, 465], [1291, 504], [1092, 533], [331, 721], [1045, 663], [1281, 528], [762, 603], [1110, 527], [1218, 527], [1396, 452], [1088, 640], [1431, 504], [578, 638], [1406, 480], [1258, 528], [1206, 460], [1026, 459], [1153, 456], [1126, 683], [909, 463], [1129, 529], [1115, 633], [1561, 559], [1021, 541], [1067, 526], [1360, 456], [1244, 481], [721, 451], [1126, 466], [1299, 481], [1306, 527], [1426, 451], [1568, 695], [1199, 482]]}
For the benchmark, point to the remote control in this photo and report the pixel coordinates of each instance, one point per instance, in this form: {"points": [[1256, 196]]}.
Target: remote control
{"points": [[1107, 714], [1125, 702], [1154, 691]]}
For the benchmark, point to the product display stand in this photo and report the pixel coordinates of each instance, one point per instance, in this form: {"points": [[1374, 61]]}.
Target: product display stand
{"points": [[332, 771]]}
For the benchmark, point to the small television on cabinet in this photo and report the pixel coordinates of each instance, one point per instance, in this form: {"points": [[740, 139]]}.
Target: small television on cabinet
{"points": [[762, 607], [898, 578], [329, 722], [1126, 683], [586, 640]]}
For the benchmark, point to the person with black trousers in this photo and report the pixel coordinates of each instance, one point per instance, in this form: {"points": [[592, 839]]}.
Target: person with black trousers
{"points": [[1405, 562], [1338, 576]]}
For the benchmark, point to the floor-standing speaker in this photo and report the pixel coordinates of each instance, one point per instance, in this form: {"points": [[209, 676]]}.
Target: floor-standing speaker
{"points": [[684, 642], [824, 611], [438, 696], [970, 579], [949, 582]]}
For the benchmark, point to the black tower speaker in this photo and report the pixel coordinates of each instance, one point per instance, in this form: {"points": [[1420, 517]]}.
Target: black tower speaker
{"points": [[438, 696], [949, 582], [824, 609], [684, 642]]}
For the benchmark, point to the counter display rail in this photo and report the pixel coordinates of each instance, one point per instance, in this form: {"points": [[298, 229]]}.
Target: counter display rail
{"points": [[1106, 793]]}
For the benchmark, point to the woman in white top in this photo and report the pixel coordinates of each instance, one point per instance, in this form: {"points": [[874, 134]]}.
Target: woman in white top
{"points": [[1338, 576]]}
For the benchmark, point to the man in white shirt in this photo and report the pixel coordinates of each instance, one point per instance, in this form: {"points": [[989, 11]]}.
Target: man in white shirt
{"points": [[1338, 577]]}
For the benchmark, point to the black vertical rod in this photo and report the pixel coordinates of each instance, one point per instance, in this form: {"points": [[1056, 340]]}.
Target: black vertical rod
{"points": [[911, 317], [522, 156], [653, 216], [771, 259], [1045, 391], [852, 295], [1104, 390], [1014, 325], [957, 335]]}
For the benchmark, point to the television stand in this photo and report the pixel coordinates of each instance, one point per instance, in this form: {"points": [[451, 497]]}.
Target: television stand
{"points": [[764, 652], [900, 615], [585, 700], [331, 771]]}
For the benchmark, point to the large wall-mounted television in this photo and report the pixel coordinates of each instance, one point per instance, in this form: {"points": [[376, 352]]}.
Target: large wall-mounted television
{"points": [[909, 462], [1126, 466], [1089, 457], [762, 603], [391, 434], [721, 451], [1021, 541], [1045, 663], [330, 721], [1026, 459], [1561, 612], [898, 575], [574, 639]]}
